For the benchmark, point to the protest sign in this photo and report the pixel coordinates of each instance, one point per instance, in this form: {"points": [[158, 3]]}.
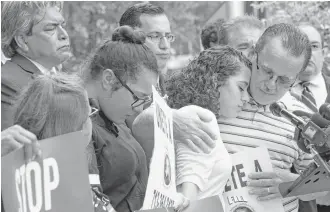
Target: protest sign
{"points": [[56, 182], [161, 188], [236, 196], [210, 204]]}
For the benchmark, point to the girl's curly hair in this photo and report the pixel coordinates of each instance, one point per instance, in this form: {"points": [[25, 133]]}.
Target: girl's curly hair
{"points": [[198, 83]]}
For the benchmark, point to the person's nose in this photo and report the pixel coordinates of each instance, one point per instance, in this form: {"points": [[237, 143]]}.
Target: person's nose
{"points": [[164, 43], [271, 83], [62, 33]]}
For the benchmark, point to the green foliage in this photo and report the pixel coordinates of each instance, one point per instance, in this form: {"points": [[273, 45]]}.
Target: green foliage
{"points": [[315, 12]]}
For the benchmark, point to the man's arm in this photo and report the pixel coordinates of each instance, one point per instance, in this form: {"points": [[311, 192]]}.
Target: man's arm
{"points": [[190, 126]]}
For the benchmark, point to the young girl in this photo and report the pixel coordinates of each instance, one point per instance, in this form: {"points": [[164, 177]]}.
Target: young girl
{"points": [[216, 80], [53, 105]]}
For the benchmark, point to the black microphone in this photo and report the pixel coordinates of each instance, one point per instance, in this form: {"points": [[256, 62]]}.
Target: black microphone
{"points": [[325, 110], [320, 121], [279, 109], [301, 113]]}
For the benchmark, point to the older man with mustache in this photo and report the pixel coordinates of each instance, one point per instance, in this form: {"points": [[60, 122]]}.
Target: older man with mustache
{"points": [[33, 35]]}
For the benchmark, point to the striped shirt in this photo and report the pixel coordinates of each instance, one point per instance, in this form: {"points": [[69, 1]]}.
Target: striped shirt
{"points": [[254, 127]]}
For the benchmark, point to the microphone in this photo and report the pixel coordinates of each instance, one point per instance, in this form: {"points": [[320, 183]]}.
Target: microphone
{"points": [[307, 132], [301, 113], [317, 118], [279, 109], [320, 121], [325, 110]]}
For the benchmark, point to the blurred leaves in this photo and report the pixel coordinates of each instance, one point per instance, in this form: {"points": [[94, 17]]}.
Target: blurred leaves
{"points": [[317, 12]]}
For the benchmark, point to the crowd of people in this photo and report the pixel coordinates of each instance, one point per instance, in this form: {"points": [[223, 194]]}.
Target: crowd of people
{"points": [[220, 101]]}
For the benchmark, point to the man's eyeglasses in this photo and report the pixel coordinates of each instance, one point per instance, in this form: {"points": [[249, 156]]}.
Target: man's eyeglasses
{"points": [[93, 112], [137, 101], [281, 80], [157, 37]]}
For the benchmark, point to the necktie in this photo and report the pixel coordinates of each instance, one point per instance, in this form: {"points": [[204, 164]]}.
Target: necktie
{"points": [[307, 97]]}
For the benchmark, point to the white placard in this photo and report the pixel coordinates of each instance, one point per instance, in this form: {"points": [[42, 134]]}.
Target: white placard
{"points": [[161, 188], [236, 195]]}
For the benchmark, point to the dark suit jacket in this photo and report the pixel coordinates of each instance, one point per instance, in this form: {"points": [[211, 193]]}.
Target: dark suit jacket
{"points": [[15, 75]]}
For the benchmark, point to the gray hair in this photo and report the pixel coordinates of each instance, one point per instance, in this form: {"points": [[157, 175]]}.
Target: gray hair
{"points": [[52, 105], [20, 17], [245, 21], [293, 40]]}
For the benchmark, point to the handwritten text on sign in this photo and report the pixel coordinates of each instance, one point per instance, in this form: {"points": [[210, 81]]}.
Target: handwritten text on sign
{"points": [[161, 188], [236, 195]]}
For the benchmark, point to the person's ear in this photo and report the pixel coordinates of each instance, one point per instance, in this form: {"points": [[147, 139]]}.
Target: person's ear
{"points": [[21, 41], [108, 80]]}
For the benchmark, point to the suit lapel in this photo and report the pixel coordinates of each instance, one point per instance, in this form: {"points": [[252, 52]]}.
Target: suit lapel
{"points": [[25, 64]]}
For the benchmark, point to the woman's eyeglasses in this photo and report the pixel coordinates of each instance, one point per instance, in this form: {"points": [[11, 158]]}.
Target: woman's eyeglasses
{"points": [[93, 112], [137, 100]]}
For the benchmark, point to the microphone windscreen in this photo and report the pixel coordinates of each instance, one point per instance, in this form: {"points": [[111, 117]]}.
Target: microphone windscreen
{"points": [[276, 108], [320, 121], [302, 113], [325, 110]]}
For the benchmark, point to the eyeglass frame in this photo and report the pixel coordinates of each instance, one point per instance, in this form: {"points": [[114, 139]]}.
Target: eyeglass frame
{"points": [[135, 97], [160, 37], [286, 86], [93, 113]]}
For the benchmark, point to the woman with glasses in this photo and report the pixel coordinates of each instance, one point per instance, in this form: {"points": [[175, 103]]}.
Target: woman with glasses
{"points": [[216, 80], [119, 77]]}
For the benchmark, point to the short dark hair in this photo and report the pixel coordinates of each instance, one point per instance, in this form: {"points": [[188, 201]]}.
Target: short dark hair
{"points": [[198, 83], [212, 32], [292, 38], [125, 54], [131, 16], [315, 26]]}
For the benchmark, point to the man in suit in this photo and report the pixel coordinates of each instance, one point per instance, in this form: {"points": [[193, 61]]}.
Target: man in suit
{"points": [[33, 36], [311, 89]]}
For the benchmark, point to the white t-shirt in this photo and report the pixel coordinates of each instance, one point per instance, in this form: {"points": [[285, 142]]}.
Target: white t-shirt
{"points": [[210, 172]]}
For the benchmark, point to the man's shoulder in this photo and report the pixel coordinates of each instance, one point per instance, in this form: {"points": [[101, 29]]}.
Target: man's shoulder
{"points": [[14, 76]]}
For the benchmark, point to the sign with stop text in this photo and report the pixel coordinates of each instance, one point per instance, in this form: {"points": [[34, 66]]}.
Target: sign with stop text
{"points": [[161, 188], [236, 195], [56, 182]]}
